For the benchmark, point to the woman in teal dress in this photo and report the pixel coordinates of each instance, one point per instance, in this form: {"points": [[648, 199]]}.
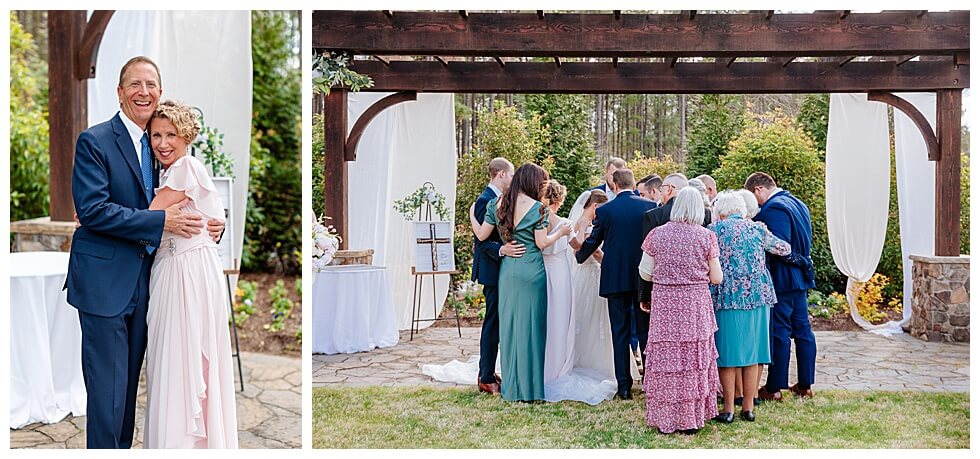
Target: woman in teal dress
{"points": [[742, 300], [523, 302]]}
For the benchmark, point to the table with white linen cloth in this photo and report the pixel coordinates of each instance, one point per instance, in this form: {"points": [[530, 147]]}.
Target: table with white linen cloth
{"points": [[45, 341], [352, 310]]}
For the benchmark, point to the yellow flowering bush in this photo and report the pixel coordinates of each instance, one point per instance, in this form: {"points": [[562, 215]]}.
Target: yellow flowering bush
{"points": [[870, 301]]}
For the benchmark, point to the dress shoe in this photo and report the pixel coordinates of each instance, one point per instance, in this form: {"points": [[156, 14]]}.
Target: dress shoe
{"points": [[766, 396], [802, 393], [491, 388], [726, 418], [689, 431], [625, 395], [747, 416]]}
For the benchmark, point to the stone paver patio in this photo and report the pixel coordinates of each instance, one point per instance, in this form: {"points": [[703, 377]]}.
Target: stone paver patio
{"points": [[269, 410], [845, 360]]}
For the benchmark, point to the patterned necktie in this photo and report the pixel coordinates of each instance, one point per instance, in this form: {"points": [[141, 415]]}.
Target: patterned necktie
{"points": [[147, 169]]}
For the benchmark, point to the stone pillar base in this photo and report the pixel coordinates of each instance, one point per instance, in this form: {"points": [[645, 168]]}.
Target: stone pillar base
{"points": [[941, 298], [41, 235]]}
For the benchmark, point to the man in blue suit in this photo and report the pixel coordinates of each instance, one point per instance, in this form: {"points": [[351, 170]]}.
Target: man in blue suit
{"points": [[619, 224], [112, 251], [789, 219], [486, 270]]}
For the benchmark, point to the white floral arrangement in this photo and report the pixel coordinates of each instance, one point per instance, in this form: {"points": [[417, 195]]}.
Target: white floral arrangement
{"points": [[427, 194], [326, 242]]}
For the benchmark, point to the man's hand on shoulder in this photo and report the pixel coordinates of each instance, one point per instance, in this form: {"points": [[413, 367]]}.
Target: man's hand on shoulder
{"points": [[181, 224]]}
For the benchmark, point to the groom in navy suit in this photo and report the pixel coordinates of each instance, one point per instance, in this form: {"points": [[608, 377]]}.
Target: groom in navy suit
{"points": [[619, 224], [486, 270], [789, 219], [112, 251]]}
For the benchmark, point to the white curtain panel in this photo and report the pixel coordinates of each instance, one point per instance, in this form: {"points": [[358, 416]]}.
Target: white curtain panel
{"points": [[857, 191], [405, 146], [916, 178], [205, 60]]}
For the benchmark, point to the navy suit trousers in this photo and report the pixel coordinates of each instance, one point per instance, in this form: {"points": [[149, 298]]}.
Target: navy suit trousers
{"points": [[112, 356], [489, 336], [790, 319], [623, 309]]}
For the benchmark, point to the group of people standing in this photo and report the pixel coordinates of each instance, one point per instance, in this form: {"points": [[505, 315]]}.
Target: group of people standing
{"points": [[709, 285]]}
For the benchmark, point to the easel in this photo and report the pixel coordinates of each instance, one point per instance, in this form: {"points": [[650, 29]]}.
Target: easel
{"points": [[417, 303], [234, 328], [420, 280]]}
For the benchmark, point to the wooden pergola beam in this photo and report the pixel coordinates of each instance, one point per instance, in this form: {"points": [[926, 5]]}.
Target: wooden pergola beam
{"points": [[354, 137], [88, 53], [681, 78], [642, 35], [920, 121]]}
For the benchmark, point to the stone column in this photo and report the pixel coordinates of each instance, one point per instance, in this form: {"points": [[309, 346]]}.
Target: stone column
{"points": [[41, 235], [940, 298]]}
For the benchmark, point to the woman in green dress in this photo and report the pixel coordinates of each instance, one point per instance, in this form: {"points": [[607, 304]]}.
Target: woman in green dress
{"points": [[523, 305]]}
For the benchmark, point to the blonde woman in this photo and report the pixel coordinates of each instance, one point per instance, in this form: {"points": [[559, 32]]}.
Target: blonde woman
{"points": [[190, 384]]}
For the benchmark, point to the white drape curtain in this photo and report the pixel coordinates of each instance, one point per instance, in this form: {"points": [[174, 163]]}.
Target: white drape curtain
{"points": [[205, 60], [916, 178], [405, 146], [857, 182]]}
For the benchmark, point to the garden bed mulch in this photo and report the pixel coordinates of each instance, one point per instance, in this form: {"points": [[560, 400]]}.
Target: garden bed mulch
{"points": [[253, 337]]}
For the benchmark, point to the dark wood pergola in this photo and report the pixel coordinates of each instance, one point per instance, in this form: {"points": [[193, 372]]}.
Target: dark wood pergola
{"points": [[681, 52]]}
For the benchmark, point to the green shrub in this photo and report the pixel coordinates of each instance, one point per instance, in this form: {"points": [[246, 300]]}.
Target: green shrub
{"points": [[317, 165], [777, 146], [813, 118], [273, 218], [29, 156], [570, 143], [826, 306], [965, 203], [281, 306], [643, 167], [503, 132], [715, 120], [244, 301]]}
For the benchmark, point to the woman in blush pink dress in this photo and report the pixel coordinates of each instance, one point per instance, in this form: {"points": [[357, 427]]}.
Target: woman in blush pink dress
{"points": [[680, 258], [190, 388]]}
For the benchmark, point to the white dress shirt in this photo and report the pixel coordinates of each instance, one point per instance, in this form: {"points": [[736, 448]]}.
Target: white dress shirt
{"points": [[136, 135]]}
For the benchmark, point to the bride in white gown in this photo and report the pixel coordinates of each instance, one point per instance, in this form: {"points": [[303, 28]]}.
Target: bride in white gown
{"points": [[593, 335], [565, 378], [578, 347]]}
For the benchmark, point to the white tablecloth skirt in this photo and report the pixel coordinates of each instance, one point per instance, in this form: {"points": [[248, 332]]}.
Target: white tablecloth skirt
{"points": [[45, 342], [352, 310]]}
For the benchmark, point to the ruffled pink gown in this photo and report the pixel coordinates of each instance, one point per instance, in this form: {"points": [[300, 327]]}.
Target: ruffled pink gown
{"points": [[681, 376], [190, 383]]}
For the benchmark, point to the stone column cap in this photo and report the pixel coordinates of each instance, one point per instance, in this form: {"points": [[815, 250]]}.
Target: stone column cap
{"points": [[962, 259]]}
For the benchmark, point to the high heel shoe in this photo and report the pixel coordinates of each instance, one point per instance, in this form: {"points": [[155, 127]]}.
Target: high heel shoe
{"points": [[747, 416], [726, 418]]}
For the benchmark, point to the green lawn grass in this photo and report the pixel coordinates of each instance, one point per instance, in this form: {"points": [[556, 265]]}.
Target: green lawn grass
{"points": [[385, 417]]}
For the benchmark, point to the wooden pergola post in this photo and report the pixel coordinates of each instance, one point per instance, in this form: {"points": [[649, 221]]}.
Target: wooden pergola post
{"points": [[335, 167], [73, 47], [949, 106], [67, 105]]}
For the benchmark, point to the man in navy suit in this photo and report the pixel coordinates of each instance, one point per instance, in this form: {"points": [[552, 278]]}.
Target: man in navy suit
{"points": [[112, 250], [789, 219], [486, 270], [618, 223]]}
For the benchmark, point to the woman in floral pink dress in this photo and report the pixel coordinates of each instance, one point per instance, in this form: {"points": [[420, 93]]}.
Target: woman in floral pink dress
{"points": [[680, 258]]}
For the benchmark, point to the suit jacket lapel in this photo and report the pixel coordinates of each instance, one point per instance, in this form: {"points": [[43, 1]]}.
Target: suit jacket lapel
{"points": [[125, 144]]}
